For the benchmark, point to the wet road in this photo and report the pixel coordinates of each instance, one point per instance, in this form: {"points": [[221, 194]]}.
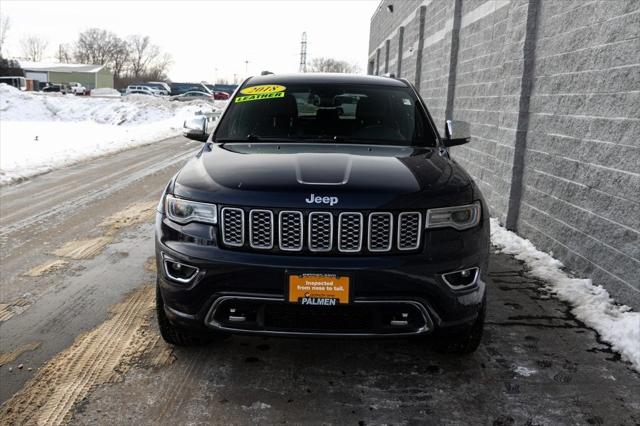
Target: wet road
{"points": [[71, 247], [77, 316]]}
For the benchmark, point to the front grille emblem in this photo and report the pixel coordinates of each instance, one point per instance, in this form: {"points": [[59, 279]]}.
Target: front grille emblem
{"points": [[318, 199]]}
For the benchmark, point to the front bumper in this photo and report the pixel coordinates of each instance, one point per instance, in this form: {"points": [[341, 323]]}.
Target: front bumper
{"points": [[384, 289]]}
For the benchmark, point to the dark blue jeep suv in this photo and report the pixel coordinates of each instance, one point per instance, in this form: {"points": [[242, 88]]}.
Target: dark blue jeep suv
{"points": [[323, 205]]}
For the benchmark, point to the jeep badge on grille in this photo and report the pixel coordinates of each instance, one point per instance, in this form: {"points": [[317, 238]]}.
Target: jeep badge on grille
{"points": [[317, 199]]}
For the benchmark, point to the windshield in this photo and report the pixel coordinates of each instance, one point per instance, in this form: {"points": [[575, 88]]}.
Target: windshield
{"points": [[327, 112]]}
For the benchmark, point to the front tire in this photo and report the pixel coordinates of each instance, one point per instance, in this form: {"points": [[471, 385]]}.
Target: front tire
{"points": [[174, 335]]}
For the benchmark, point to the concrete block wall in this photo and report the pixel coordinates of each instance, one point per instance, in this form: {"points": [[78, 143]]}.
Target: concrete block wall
{"points": [[487, 94], [436, 56], [552, 91], [581, 192]]}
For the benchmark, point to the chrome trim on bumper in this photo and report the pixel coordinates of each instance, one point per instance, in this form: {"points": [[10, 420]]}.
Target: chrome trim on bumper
{"points": [[462, 287], [211, 322], [166, 258]]}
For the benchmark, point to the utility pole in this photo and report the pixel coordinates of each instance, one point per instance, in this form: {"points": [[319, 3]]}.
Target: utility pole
{"points": [[246, 67], [303, 53]]}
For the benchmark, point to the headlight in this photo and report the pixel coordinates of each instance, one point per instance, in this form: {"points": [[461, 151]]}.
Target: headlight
{"points": [[185, 211], [460, 217]]}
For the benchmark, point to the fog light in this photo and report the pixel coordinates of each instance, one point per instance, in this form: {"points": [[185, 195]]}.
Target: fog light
{"points": [[462, 278], [178, 271]]}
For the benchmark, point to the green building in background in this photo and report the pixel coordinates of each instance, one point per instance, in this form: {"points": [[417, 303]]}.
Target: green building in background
{"points": [[90, 76]]}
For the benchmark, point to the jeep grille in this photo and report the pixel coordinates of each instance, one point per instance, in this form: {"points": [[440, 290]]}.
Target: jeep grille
{"points": [[320, 231]]}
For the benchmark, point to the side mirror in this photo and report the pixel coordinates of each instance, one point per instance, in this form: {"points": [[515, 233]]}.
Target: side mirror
{"points": [[456, 133], [196, 129]]}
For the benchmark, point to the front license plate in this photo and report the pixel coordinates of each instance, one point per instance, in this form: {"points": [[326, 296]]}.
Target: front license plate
{"points": [[318, 289]]}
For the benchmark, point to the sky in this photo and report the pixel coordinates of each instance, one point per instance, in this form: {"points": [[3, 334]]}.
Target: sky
{"points": [[207, 39]]}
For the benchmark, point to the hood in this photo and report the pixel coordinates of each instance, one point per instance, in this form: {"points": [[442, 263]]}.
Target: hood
{"points": [[342, 176]]}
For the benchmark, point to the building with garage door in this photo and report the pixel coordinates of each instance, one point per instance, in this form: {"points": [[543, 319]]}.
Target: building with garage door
{"points": [[90, 76], [551, 91]]}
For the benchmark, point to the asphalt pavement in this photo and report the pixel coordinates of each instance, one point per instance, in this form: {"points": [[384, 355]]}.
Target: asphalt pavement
{"points": [[79, 341]]}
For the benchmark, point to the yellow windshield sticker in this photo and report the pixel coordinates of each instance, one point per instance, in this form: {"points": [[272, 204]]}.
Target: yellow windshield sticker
{"points": [[259, 96], [265, 88]]}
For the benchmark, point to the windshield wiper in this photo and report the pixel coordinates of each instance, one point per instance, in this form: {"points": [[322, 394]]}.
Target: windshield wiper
{"points": [[343, 139], [255, 138], [326, 138], [251, 137]]}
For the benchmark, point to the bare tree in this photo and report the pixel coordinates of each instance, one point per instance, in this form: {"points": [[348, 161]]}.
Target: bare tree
{"points": [[157, 71], [33, 47], [143, 54], [332, 65], [120, 58], [64, 54], [5, 24], [96, 46], [132, 59], [10, 68]]}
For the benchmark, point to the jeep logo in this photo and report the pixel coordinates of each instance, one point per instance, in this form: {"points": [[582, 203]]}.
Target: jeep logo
{"points": [[316, 199]]}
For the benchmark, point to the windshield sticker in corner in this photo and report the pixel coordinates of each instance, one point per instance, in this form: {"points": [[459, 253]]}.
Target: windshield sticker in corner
{"points": [[259, 96], [264, 88]]}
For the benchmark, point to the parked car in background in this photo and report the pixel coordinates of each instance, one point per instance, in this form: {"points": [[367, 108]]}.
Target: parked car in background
{"points": [[56, 88], [17, 82], [77, 88], [160, 85], [228, 88], [218, 95], [193, 96], [180, 88], [135, 89], [157, 88], [221, 96]]}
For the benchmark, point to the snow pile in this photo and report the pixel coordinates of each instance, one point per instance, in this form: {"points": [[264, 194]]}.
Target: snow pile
{"points": [[105, 92], [617, 325], [41, 132]]}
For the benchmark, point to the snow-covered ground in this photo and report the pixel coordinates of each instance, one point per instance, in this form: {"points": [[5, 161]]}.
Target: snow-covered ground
{"points": [[41, 132], [591, 304]]}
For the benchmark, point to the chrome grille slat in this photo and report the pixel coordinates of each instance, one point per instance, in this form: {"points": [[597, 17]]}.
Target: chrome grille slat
{"points": [[261, 229], [380, 232], [297, 231], [290, 230], [233, 226], [350, 230], [320, 231], [409, 230]]}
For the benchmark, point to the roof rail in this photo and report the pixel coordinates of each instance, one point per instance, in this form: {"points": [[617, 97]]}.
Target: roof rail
{"points": [[266, 73], [389, 75]]}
